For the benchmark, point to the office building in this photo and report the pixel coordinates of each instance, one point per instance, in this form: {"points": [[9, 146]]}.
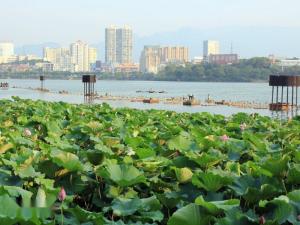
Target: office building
{"points": [[210, 48], [6, 49], [118, 45]]}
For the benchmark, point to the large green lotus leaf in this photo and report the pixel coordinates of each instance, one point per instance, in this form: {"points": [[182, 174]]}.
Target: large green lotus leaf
{"points": [[25, 171], [206, 160], [277, 166], [210, 181], [294, 198], [125, 207], [236, 217], [150, 204], [84, 216], [217, 207], [241, 184], [66, 160], [4, 148], [256, 170], [6, 178], [104, 149], [191, 214], [53, 129], [95, 157], [8, 207], [144, 153], [280, 210], [256, 142], [18, 191], [123, 175], [155, 216], [169, 199], [293, 176], [182, 143]]}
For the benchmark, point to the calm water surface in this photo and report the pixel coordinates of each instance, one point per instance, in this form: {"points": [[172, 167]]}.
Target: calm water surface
{"points": [[256, 92]]}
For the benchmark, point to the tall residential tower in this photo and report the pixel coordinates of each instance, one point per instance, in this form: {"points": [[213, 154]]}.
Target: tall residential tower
{"points": [[118, 45]]}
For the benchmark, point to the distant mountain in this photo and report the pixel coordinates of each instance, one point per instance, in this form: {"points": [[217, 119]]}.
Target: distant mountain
{"points": [[246, 41], [35, 49]]}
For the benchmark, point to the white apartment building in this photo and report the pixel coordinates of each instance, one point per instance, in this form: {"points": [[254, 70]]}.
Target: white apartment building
{"points": [[6, 49], [153, 58], [150, 59], [80, 56], [210, 48], [118, 45], [60, 58]]}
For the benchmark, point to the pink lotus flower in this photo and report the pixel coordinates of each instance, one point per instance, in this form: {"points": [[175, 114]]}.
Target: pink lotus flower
{"points": [[27, 132], [62, 194], [224, 138], [243, 126]]}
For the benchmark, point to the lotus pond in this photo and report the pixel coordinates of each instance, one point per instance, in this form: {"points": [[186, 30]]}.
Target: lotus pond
{"points": [[78, 164]]}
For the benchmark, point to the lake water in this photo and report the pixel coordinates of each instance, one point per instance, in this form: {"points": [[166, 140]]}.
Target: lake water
{"points": [[256, 92]]}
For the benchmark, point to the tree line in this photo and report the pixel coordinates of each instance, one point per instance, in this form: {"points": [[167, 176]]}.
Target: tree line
{"points": [[247, 70]]}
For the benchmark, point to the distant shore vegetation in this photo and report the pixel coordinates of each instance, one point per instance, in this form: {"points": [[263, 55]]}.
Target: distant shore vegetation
{"points": [[247, 70]]}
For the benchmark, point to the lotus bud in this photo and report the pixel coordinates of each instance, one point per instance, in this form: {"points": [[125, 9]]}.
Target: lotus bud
{"points": [[262, 220], [243, 126], [27, 132], [224, 138], [62, 194], [110, 129]]}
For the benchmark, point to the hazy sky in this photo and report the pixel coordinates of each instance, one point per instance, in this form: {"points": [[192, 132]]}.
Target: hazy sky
{"points": [[63, 21]]}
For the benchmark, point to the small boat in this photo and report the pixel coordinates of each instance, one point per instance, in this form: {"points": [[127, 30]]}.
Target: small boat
{"points": [[4, 85]]}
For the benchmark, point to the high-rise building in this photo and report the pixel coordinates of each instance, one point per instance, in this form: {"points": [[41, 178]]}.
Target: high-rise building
{"points": [[124, 45], [6, 49], [111, 45], [210, 48], [150, 59], [92, 56], [174, 54], [118, 45], [80, 56]]}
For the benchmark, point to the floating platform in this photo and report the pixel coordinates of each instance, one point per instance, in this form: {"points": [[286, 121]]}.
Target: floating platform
{"points": [[151, 100], [191, 102], [279, 106]]}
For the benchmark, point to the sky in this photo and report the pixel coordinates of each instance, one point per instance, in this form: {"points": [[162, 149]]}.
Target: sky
{"points": [[255, 27], [63, 21]]}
